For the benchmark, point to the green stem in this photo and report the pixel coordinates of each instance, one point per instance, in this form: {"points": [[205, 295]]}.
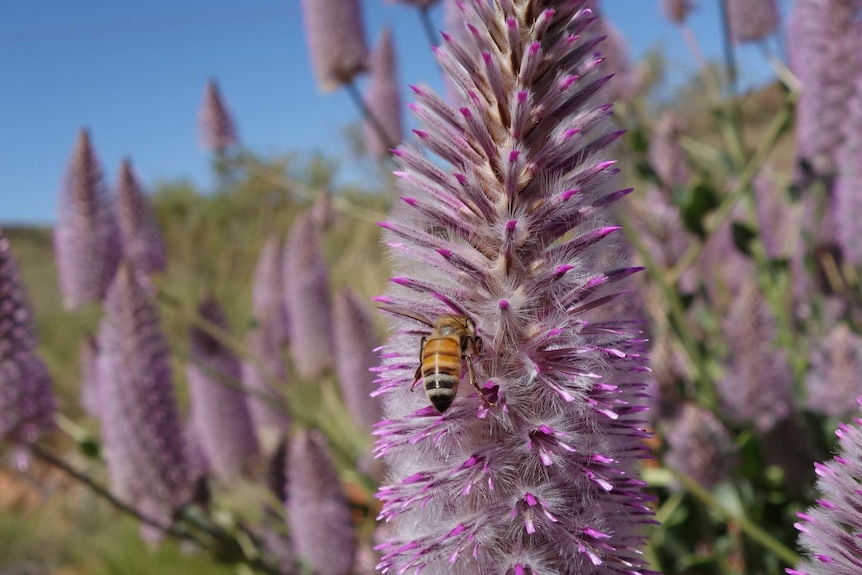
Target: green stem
{"points": [[706, 393], [425, 17], [369, 116], [304, 417], [779, 125], [105, 493], [753, 531]]}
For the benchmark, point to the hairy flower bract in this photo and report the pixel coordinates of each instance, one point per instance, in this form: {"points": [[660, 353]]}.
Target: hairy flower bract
{"points": [[509, 226]]}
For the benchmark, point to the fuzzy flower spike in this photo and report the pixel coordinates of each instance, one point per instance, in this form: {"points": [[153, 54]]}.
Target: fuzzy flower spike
{"points": [[829, 531], [504, 264]]}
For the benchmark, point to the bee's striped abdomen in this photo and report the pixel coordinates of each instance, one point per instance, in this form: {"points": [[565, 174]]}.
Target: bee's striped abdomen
{"points": [[441, 370]]}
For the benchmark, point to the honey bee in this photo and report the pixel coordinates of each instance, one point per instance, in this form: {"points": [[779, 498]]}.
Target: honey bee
{"points": [[453, 341]]}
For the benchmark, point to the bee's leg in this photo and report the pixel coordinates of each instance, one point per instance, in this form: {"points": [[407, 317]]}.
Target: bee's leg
{"points": [[473, 381], [418, 375]]}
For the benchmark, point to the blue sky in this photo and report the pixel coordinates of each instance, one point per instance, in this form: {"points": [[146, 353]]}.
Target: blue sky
{"points": [[134, 73]]}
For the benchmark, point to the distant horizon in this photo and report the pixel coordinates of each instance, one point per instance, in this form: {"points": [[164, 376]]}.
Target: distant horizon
{"points": [[94, 65]]}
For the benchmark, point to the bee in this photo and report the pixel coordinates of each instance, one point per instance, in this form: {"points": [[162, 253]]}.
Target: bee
{"points": [[452, 342]]}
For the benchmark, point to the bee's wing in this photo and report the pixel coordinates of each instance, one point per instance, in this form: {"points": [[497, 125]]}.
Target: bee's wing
{"points": [[395, 310]]}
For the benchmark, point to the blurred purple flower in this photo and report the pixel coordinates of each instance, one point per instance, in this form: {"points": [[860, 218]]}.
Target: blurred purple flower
{"points": [[86, 238], [666, 155], [267, 296], [142, 435], [267, 404], [677, 10], [699, 446], [778, 219], [335, 32], [829, 531], [219, 410], [835, 378], [821, 49], [541, 476], [89, 369], [318, 512], [217, 129], [355, 342], [142, 241], [848, 187], [26, 398], [307, 298], [198, 464], [383, 99], [752, 20], [758, 380]]}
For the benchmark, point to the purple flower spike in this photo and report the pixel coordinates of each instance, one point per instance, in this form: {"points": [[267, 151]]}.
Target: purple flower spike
{"points": [[503, 260], [219, 410], [751, 21], [823, 54], [700, 446], [217, 130], [666, 155], [835, 379], [267, 296], [383, 99], [86, 239], [142, 434], [26, 399], [336, 41], [307, 298], [318, 511], [355, 342], [267, 405], [142, 240], [757, 385], [848, 187], [89, 362], [677, 10], [829, 531]]}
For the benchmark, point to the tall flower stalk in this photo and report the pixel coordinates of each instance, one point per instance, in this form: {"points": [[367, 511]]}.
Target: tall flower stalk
{"points": [[86, 239], [829, 531], [220, 413], [142, 434], [535, 473], [26, 398], [141, 237]]}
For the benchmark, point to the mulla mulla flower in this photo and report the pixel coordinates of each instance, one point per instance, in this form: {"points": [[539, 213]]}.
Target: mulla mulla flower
{"points": [[751, 21], [86, 238], [829, 530], [532, 465], [821, 51], [217, 129], [677, 10], [141, 238], [143, 439], [26, 399]]}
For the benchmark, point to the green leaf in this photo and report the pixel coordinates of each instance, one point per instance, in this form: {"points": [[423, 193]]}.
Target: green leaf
{"points": [[90, 448], [701, 200], [743, 236]]}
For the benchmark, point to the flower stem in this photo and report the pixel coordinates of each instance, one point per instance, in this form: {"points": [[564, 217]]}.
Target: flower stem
{"points": [[105, 493], [425, 17], [779, 126], [753, 531], [706, 392], [369, 116]]}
